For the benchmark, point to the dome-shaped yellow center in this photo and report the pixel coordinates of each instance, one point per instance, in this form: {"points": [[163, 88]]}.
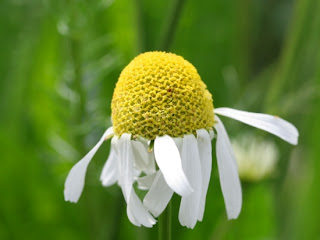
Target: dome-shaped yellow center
{"points": [[159, 94]]}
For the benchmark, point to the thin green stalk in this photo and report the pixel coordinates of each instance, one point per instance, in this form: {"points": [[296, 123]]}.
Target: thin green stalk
{"points": [[80, 138], [164, 224], [171, 25], [78, 88], [283, 79], [114, 234], [244, 16], [140, 27], [80, 112], [282, 76]]}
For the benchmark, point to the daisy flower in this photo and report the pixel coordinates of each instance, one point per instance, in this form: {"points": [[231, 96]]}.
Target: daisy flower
{"points": [[163, 123], [256, 157]]}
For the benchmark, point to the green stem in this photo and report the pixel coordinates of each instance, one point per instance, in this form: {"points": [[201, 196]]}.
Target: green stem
{"points": [[283, 74], [78, 88], [141, 44], [80, 112], [117, 217], [171, 26], [164, 224]]}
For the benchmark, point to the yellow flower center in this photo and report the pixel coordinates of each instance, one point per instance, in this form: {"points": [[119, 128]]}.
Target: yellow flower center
{"points": [[159, 94]]}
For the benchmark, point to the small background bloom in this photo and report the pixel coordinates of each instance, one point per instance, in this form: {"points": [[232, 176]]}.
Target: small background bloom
{"points": [[59, 64], [256, 157]]}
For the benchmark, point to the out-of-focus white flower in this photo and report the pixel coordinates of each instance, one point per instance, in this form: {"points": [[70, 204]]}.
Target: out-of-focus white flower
{"points": [[256, 157]]}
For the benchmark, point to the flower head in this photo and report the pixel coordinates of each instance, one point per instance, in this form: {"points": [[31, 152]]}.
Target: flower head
{"points": [[160, 94], [163, 115]]}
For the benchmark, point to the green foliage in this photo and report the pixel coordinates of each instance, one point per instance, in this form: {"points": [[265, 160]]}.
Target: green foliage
{"points": [[59, 63]]}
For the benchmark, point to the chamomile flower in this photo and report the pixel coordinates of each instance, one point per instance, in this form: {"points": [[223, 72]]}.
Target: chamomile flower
{"points": [[163, 116], [256, 157]]}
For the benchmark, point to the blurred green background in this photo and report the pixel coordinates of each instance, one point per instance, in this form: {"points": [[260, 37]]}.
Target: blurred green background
{"points": [[60, 61]]}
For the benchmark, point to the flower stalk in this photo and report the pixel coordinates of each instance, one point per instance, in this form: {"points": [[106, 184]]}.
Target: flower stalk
{"points": [[164, 226], [172, 22]]}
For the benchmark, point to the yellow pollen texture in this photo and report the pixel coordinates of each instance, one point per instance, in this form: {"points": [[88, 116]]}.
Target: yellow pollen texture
{"points": [[160, 94]]}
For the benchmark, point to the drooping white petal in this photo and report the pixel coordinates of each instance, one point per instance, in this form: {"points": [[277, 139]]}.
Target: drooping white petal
{"points": [[189, 206], [142, 156], [169, 161], [178, 141], [137, 173], [205, 151], [158, 195], [131, 217], [269, 123], [140, 150], [75, 181], [126, 164], [136, 212], [145, 182], [228, 172], [211, 133], [139, 212], [151, 163], [110, 171]]}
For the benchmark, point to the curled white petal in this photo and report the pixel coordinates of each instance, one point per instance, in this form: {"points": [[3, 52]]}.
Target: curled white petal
{"points": [[126, 164], [189, 206], [109, 175], [228, 172], [144, 160], [75, 181], [158, 195], [138, 214], [168, 159], [205, 151], [145, 182], [269, 123], [132, 218]]}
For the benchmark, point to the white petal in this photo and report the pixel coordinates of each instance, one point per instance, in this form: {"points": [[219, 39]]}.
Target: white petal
{"points": [[211, 133], [269, 123], [228, 172], [140, 150], [205, 151], [109, 175], [151, 167], [169, 161], [143, 157], [189, 206], [178, 141], [145, 182], [158, 196], [139, 212], [75, 181], [126, 167], [137, 173], [151, 163], [131, 217]]}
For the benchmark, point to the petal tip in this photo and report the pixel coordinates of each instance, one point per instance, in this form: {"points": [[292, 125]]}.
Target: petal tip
{"points": [[233, 215], [70, 199]]}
